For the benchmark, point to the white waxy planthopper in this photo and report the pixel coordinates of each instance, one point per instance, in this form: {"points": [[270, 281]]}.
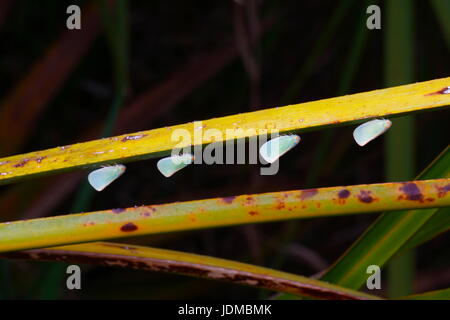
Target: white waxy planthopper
{"points": [[368, 131], [275, 148], [168, 166], [101, 178]]}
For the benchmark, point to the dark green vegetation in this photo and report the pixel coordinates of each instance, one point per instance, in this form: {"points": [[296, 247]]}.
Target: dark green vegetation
{"points": [[162, 64]]}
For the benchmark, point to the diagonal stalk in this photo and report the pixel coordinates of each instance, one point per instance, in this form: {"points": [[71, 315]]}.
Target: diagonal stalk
{"points": [[152, 259], [219, 212], [396, 101]]}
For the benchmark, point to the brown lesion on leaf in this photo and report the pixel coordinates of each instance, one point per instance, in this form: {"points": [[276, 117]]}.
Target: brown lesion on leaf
{"points": [[150, 210], [442, 191], [228, 200], [39, 159], [343, 194], [253, 213], [308, 193], [249, 201], [279, 284], [21, 163], [280, 201], [411, 192], [146, 214], [365, 196], [445, 90], [280, 205], [128, 227]]}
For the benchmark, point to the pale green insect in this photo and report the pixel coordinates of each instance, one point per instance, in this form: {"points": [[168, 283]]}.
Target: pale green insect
{"points": [[368, 131], [275, 148], [168, 166], [101, 178]]}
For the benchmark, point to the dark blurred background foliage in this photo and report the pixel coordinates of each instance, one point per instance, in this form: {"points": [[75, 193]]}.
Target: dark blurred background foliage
{"points": [[180, 61]]}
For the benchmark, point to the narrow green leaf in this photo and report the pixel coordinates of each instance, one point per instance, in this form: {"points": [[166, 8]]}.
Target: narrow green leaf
{"points": [[443, 294], [437, 224], [385, 237], [400, 146], [153, 259]]}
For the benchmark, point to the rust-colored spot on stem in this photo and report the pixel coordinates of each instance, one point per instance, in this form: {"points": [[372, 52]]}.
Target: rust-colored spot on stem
{"points": [[442, 191], [21, 163], [280, 205], [364, 196], [39, 159], [309, 193], [249, 201], [343, 194], [411, 191], [128, 227], [445, 90], [228, 200]]}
